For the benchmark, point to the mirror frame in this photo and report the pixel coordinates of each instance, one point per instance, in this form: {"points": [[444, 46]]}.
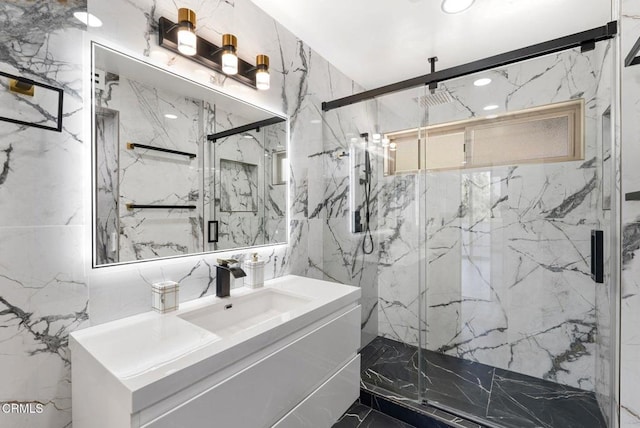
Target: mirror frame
{"points": [[91, 109]]}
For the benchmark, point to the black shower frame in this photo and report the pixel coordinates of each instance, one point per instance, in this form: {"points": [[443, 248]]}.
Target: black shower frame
{"points": [[585, 40]]}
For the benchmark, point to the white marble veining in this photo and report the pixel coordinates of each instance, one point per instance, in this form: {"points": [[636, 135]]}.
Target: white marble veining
{"points": [[43, 284], [46, 276], [630, 233], [148, 177]]}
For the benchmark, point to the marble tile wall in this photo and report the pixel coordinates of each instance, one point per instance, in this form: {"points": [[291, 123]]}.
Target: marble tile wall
{"points": [[43, 278], [507, 247], [275, 208], [238, 163], [150, 177], [345, 259], [630, 275], [47, 284]]}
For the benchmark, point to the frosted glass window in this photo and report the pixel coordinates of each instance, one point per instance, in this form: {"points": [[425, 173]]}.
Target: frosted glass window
{"points": [[551, 133], [524, 141], [402, 154], [445, 150]]}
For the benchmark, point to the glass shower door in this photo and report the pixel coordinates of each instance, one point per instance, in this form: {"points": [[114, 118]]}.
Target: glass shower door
{"points": [[516, 330]]}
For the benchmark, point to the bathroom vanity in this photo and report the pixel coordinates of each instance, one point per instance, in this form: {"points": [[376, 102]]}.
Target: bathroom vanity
{"points": [[284, 355]]}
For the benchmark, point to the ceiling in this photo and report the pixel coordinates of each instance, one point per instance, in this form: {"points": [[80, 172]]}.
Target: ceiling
{"points": [[377, 42]]}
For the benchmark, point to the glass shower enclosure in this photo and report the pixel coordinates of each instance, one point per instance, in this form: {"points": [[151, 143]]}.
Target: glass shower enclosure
{"points": [[491, 210]]}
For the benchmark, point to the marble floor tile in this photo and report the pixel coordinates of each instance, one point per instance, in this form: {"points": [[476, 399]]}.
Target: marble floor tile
{"points": [[361, 416], [354, 416], [523, 401], [482, 393], [459, 384], [376, 419]]}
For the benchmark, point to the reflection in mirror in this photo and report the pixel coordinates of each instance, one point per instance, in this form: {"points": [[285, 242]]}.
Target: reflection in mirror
{"points": [[161, 188]]}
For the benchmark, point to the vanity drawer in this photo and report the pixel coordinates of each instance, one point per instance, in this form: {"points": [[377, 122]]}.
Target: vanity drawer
{"points": [[327, 403], [264, 392]]}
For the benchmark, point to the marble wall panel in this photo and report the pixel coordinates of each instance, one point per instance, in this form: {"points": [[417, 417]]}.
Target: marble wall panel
{"points": [[630, 283], [47, 284]]}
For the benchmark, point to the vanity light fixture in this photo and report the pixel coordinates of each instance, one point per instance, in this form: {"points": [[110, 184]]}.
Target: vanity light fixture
{"points": [[263, 78], [229, 56], [456, 6], [181, 38], [187, 40]]}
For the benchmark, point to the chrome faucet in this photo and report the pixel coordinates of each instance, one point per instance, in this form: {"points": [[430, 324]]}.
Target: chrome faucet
{"points": [[223, 279]]}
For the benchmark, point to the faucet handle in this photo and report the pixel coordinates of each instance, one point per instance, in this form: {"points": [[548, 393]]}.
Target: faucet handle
{"points": [[226, 262]]}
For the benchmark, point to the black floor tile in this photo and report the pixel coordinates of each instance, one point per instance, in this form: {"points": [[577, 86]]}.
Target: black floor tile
{"points": [[493, 396], [391, 365], [457, 383], [523, 401], [376, 419], [353, 417]]}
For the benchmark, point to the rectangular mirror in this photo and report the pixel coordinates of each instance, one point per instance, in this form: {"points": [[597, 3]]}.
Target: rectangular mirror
{"points": [[179, 168]]}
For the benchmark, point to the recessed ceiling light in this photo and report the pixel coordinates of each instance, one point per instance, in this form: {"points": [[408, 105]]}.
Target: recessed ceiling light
{"points": [[247, 136], [492, 116], [482, 82], [170, 116], [456, 6], [491, 107], [88, 19], [376, 137]]}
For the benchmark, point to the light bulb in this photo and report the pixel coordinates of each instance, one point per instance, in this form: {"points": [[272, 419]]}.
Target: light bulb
{"points": [[229, 62], [263, 80], [187, 41]]}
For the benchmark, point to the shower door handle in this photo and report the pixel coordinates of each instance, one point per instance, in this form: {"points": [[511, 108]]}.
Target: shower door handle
{"points": [[597, 256]]}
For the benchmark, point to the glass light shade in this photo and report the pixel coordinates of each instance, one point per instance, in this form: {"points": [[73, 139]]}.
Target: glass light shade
{"points": [[187, 41], [229, 63], [263, 80]]}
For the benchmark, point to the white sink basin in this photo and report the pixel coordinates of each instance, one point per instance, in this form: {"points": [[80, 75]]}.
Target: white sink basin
{"points": [[152, 355], [240, 313]]}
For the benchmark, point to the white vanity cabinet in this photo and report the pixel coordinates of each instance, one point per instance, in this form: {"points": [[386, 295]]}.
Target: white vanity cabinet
{"points": [[300, 369]]}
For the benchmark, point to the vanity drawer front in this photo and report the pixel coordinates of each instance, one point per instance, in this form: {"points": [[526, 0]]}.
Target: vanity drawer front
{"points": [[264, 392], [327, 403]]}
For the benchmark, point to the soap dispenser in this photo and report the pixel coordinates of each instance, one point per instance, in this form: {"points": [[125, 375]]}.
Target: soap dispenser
{"points": [[255, 272]]}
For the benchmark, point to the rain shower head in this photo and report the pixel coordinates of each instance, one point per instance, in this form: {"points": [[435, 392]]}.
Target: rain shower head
{"points": [[435, 98]]}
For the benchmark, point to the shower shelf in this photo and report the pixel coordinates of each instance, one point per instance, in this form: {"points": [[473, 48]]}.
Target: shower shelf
{"points": [[632, 59], [162, 207], [132, 146]]}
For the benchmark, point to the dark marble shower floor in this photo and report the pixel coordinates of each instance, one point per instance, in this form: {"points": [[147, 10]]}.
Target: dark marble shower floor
{"points": [[478, 392]]}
